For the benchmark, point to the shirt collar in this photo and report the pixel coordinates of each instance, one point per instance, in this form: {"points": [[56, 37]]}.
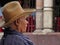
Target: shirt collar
{"points": [[10, 31]]}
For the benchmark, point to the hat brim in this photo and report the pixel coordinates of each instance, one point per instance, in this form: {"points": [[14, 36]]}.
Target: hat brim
{"points": [[26, 13]]}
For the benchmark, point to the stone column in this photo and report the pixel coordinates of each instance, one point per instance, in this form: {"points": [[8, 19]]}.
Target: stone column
{"points": [[39, 6], [48, 16]]}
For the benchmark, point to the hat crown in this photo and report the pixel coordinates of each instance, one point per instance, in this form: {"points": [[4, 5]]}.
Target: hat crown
{"points": [[12, 9]]}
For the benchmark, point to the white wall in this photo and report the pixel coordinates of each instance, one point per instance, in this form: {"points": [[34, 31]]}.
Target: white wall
{"points": [[48, 16], [1, 34], [48, 3], [38, 20], [39, 6]]}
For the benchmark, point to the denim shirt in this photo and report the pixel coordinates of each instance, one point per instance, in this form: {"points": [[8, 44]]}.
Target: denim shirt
{"points": [[12, 37]]}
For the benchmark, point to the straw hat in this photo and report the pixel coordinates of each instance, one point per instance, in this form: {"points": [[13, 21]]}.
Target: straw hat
{"points": [[12, 11]]}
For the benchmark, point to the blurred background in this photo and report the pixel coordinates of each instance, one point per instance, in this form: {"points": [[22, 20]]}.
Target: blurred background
{"points": [[44, 24], [46, 17]]}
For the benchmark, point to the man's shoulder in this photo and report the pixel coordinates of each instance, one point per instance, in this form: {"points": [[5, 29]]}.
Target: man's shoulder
{"points": [[15, 39]]}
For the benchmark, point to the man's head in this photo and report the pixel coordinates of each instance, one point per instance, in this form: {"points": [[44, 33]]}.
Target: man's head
{"points": [[19, 24], [12, 11]]}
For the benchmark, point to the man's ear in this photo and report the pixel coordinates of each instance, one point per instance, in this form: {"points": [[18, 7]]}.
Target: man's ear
{"points": [[17, 22]]}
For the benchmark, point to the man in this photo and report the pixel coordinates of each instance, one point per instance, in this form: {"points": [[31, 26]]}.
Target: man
{"points": [[15, 24]]}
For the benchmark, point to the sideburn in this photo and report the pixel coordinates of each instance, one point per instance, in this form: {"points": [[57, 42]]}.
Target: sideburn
{"points": [[15, 23]]}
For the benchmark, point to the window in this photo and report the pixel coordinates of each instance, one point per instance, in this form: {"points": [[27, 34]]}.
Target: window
{"points": [[3, 2], [28, 3], [56, 15]]}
